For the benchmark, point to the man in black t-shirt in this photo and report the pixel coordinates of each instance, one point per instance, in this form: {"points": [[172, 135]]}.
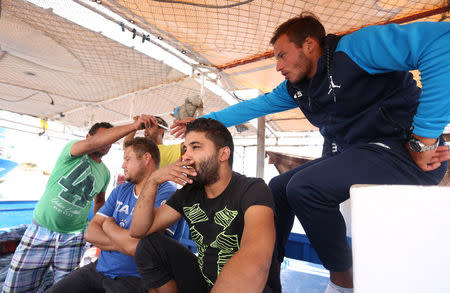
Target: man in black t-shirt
{"points": [[230, 217]]}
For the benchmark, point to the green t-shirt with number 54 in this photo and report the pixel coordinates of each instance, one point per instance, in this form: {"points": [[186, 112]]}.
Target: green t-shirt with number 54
{"points": [[72, 186]]}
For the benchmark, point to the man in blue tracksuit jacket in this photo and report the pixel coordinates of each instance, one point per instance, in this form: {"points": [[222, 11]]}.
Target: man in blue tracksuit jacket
{"points": [[378, 126]]}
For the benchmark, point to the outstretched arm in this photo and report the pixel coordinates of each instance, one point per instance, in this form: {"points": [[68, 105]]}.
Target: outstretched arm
{"points": [[248, 269], [107, 136], [129, 137], [276, 101], [179, 128]]}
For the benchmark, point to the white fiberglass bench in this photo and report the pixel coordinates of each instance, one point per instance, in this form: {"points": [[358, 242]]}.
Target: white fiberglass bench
{"points": [[400, 238]]}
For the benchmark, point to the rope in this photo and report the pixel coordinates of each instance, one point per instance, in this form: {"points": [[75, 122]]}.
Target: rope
{"points": [[204, 5]]}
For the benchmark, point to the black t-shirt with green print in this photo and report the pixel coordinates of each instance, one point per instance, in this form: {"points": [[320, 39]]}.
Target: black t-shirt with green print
{"points": [[217, 224]]}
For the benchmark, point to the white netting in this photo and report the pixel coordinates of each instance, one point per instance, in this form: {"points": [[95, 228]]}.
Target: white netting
{"points": [[225, 31], [54, 68], [47, 58]]}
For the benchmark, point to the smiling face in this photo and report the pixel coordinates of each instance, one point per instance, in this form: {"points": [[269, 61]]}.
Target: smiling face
{"points": [[293, 62], [205, 155], [133, 167]]}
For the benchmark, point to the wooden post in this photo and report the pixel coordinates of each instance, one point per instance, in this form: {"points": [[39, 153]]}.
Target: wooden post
{"points": [[260, 147]]}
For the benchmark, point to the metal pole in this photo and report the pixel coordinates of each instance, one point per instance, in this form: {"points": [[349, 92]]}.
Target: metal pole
{"points": [[260, 147]]}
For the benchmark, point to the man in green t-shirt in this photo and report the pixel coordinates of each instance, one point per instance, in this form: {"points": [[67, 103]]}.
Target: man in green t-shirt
{"points": [[55, 238]]}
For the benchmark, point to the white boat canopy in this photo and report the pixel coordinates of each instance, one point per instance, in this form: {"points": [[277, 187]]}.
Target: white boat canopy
{"points": [[84, 61]]}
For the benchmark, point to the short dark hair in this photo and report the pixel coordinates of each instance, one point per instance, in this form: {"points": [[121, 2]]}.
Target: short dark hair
{"points": [[214, 131], [98, 125], [162, 122], [299, 28], [142, 145]]}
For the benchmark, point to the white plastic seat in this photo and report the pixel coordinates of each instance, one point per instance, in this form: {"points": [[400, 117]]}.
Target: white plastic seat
{"points": [[401, 238]]}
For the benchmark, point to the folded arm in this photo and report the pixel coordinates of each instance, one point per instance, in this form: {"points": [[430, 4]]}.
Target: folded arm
{"points": [[120, 237], [96, 235]]}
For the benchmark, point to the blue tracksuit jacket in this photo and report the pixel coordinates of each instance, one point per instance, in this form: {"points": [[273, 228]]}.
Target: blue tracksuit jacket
{"points": [[366, 93]]}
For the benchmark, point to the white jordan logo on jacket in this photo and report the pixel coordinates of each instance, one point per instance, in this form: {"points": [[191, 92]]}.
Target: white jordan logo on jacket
{"points": [[298, 95], [332, 85]]}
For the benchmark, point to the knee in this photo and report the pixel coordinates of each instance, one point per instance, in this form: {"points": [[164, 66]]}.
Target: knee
{"points": [[147, 249], [277, 186], [298, 191]]}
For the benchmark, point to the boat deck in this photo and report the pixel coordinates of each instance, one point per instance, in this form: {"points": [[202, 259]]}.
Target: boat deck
{"points": [[296, 275]]}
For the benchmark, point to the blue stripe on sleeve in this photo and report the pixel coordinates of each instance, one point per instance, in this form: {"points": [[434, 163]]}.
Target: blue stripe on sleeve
{"points": [[424, 46], [276, 101]]}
